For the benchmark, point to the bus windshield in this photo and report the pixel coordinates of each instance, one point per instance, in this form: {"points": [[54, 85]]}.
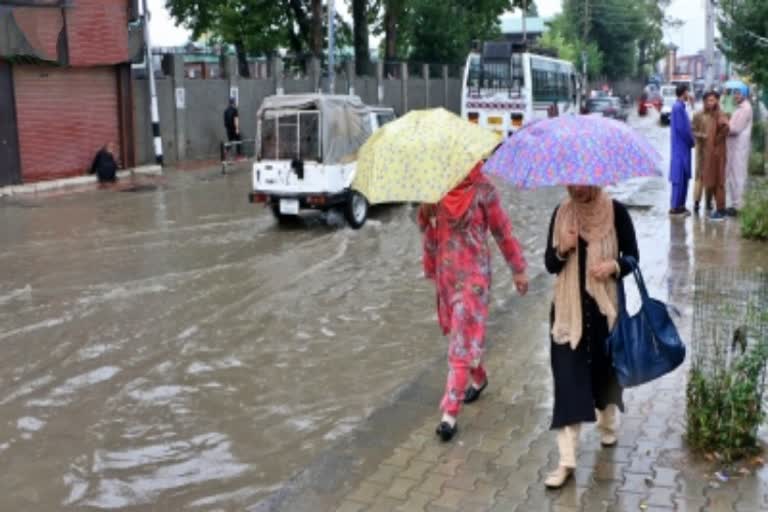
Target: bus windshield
{"points": [[495, 75]]}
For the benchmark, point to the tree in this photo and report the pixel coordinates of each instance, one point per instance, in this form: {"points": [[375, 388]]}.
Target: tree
{"points": [[360, 26], [628, 33], [249, 25], [650, 44], [443, 30], [571, 50], [744, 36], [393, 14]]}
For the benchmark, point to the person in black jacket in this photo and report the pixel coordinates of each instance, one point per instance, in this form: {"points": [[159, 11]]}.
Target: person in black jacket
{"points": [[105, 165], [232, 125], [590, 238]]}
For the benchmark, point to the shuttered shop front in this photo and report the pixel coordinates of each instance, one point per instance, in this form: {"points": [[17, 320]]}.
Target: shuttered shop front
{"points": [[64, 116]]}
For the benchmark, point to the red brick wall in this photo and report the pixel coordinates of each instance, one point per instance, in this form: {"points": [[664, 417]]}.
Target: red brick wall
{"points": [[64, 115], [97, 32]]}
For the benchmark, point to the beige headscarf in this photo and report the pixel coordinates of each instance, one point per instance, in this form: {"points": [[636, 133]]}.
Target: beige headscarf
{"points": [[596, 226]]}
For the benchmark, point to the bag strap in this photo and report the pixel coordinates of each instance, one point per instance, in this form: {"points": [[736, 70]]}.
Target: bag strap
{"points": [[638, 275]]}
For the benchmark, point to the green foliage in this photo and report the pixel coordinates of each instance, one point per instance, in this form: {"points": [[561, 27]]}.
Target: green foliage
{"points": [[744, 36], [754, 214], [627, 34], [758, 136], [259, 25], [567, 49], [756, 164], [724, 407], [443, 30]]}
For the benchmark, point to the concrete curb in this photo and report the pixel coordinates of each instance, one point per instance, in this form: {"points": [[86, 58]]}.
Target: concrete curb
{"points": [[77, 181]]}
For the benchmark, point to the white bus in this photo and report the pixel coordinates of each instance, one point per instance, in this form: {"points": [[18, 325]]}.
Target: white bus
{"points": [[505, 88]]}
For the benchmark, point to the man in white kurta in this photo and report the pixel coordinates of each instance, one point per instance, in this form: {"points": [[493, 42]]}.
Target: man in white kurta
{"points": [[739, 149]]}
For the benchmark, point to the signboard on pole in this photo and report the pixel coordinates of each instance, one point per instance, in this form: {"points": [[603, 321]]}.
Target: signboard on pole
{"points": [[181, 98]]}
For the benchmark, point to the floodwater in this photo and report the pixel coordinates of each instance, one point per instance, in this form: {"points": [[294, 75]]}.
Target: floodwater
{"points": [[171, 348]]}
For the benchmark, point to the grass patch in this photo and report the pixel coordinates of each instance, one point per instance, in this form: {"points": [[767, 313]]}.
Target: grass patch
{"points": [[724, 405], [754, 214]]}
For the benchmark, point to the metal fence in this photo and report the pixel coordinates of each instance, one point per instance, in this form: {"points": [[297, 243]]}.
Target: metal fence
{"points": [[235, 152], [730, 315]]}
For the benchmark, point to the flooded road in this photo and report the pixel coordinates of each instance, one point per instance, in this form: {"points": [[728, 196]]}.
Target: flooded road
{"points": [[171, 348]]}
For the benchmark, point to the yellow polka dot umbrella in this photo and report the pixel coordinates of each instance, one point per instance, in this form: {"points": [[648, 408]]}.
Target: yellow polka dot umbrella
{"points": [[420, 157]]}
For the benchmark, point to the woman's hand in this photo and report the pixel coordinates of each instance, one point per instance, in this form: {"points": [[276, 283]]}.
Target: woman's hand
{"points": [[568, 240], [604, 270], [521, 283]]}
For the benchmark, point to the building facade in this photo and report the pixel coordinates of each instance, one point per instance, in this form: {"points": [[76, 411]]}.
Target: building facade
{"points": [[65, 86]]}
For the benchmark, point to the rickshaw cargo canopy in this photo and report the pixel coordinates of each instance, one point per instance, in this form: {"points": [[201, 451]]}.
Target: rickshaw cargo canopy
{"points": [[344, 121]]}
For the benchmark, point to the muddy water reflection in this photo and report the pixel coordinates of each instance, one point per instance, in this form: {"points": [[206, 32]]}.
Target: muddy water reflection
{"points": [[171, 348], [174, 348]]}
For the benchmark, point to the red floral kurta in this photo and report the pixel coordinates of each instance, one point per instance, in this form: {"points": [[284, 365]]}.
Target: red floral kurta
{"points": [[458, 259]]}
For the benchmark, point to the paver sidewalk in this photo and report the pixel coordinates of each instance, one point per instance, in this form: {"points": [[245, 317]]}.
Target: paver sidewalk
{"points": [[503, 450]]}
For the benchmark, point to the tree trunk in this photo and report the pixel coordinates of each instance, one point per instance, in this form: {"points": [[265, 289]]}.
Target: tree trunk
{"points": [[642, 57], [242, 59], [316, 42], [391, 21], [361, 40], [304, 38]]}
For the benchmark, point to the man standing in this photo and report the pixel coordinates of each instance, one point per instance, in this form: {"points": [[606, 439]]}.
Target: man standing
{"points": [[232, 125], [739, 147], [712, 148], [699, 126], [682, 142]]}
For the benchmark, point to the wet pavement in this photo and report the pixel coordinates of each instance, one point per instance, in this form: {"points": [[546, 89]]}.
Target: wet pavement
{"points": [[170, 348]]}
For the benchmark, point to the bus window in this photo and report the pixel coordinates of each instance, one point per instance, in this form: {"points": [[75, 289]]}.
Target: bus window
{"points": [[496, 75], [517, 72]]}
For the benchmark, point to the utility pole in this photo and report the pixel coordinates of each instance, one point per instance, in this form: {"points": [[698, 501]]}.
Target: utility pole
{"points": [[154, 111], [709, 68], [331, 46], [525, 15], [584, 53]]}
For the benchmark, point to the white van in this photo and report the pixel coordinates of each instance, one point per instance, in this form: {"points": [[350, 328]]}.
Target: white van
{"points": [[306, 157]]}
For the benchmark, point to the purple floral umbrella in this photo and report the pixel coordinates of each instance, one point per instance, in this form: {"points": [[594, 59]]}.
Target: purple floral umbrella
{"points": [[574, 150]]}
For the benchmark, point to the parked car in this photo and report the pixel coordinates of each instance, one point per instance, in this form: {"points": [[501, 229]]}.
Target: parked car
{"points": [[608, 106], [306, 158], [668, 99]]}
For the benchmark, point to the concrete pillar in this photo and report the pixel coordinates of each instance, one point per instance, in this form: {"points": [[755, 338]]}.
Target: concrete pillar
{"points": [[277, 75], [233, 76], [445, 87], [228, 66], [425, 76], [380, 82], [315, 73], [349, 68], [404, 86], [174, 67]]}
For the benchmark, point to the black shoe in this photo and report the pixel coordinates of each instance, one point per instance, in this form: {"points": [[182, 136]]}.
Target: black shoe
{"points": [[732, 212], [472, 394], [446, 431]]}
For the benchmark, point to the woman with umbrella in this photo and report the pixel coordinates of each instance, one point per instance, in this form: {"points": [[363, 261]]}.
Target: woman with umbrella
{"points": [[457, 258], [434, 157], [590, 238]]}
